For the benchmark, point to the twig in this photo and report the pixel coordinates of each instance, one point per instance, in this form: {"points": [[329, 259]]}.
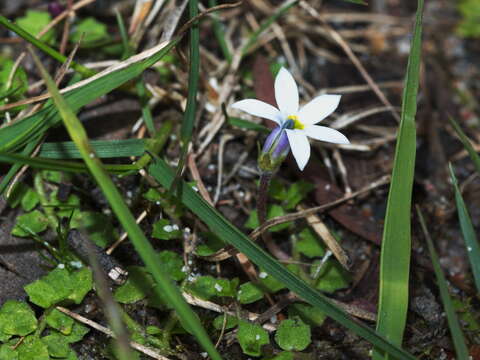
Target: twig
{"points": [[125, 234], [321, 229], [145, 350], [302, 214]]}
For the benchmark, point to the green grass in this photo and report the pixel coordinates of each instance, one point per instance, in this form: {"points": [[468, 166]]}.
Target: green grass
{"points": [[468, 231], [455, 329], [165, 288], [396, 242]]}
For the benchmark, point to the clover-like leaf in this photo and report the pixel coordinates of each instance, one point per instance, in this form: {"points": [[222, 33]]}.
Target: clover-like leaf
{"points": [[59, 321], [32, 348], [251, 338], [59, 285], [17, 318], [32, 222], [293, 334], [249, 293]]}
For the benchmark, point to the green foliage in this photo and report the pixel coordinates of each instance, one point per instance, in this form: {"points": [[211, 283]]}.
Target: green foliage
{"points": [[33, 222], [247, 125], [24, 195], [59, 285], [469, 25], [396, 241], [458, 338], [212, 243], [230, 324], [59, 321], [269, 282], [77, 333], [309, 245], [16, 318], [57, 345], [207, 287], [18, 85], [468, 231], [273, 211], [251, 338], [92, 31], [98, 226], [138, 285], [32, 348], [34, 22], [173, 264], [249, 293], [7, 353], [163, 229], [290, 195], [331, 277], [308, 313], [293, 334]]}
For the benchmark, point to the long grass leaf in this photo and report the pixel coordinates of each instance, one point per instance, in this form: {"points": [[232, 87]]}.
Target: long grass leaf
{"points": [[86, 72], [396, 244], [193, 76], [453, 324], [166, 287], [20, 133], [220, 33], [16, 167], [60, 165], [103, 148], [164, 175], [468, 231], [466, 143]]}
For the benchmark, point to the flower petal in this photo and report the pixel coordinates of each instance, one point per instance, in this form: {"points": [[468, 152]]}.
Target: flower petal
{"points": [[318, 109], [327, 134], [286, 93], [300, 146], [259, 108]]}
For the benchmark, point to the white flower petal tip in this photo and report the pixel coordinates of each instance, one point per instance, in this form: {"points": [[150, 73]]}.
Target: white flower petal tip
{"points": [[258, 108], [300, 147], [286, 92], [326, 134], [319, 108]]}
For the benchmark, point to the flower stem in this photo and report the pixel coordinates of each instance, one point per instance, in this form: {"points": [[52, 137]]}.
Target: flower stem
{"points": [[262, 203]]}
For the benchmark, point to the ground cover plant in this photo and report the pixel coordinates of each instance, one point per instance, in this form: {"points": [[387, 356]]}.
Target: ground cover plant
{"points": [[236, 180]]}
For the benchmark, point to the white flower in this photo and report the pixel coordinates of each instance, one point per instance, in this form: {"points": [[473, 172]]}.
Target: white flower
{"points": [[297, 122]]}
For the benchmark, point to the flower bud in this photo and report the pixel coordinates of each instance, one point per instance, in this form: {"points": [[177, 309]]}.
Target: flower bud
{"points": [[55, 8], [274, 150]]}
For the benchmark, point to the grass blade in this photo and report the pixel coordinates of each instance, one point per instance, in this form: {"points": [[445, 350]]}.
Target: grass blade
{"points": [[193, 75], [22, 132], [466, 143], [220, 33], [468, 231], [165, 287], [85, 72], [396, 244], [455, 329], [164, 175], [103, 148]]}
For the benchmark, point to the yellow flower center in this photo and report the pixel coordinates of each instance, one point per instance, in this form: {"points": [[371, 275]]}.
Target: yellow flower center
{"points": [[296, 123]]}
